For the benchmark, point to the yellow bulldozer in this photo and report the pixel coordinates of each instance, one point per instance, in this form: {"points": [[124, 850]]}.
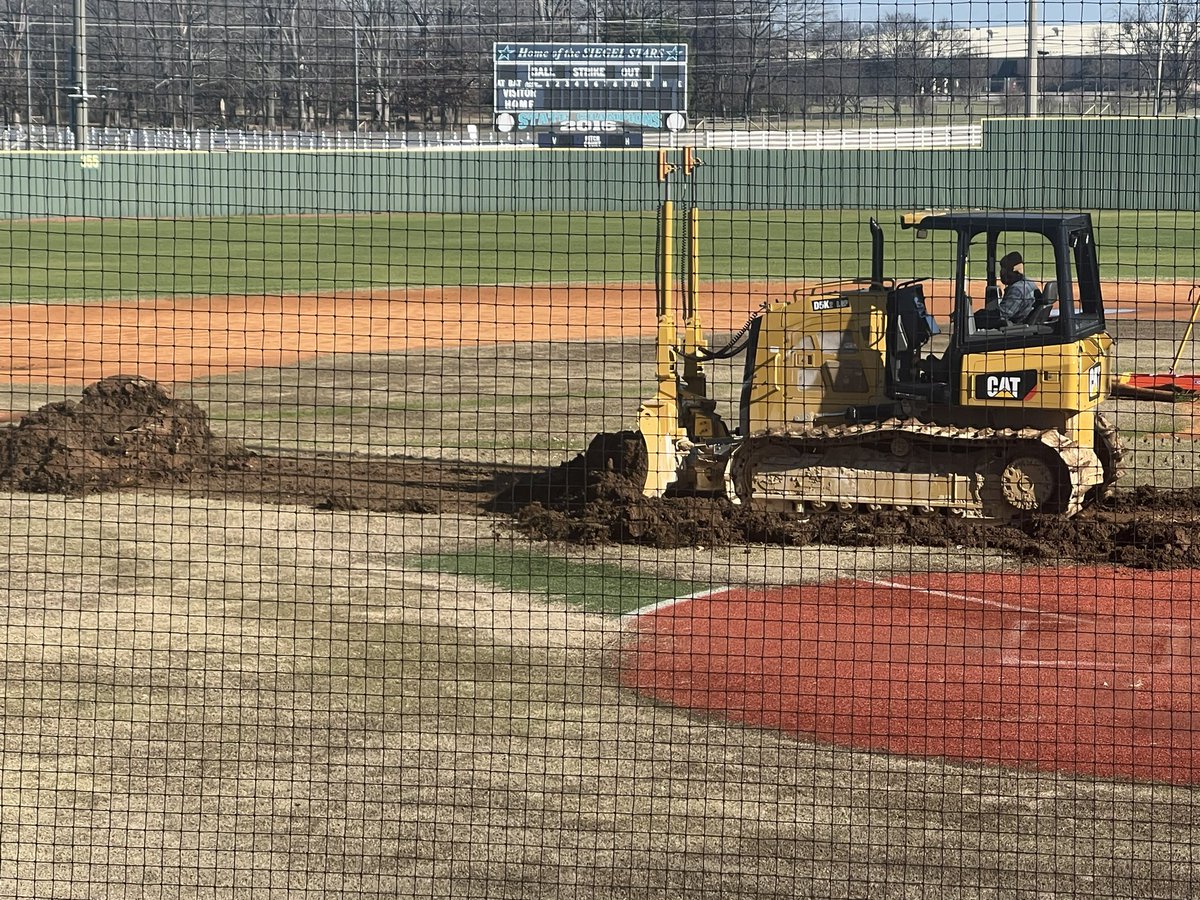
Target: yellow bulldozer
{"points": [[855, 397]]}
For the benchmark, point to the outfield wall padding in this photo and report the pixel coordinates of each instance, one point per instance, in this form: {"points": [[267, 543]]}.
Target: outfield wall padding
{"points": [[1100, 164]]}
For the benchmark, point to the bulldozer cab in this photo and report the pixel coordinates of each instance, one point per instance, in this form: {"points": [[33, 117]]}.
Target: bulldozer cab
{"points": [[996, 307]]}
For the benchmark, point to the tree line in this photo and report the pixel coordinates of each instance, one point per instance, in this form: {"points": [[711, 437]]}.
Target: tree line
{"points": [[395, 64]]}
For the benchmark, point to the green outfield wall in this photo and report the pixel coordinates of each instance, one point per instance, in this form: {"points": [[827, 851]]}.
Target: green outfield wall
{"points": [[1136, 164]]}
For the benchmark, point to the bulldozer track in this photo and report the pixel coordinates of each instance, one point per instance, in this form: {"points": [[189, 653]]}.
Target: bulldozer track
{"points": [[1081, 474], [1111, 452]]}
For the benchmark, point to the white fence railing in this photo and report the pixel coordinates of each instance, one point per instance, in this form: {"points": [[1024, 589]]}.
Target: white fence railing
{"points": [[160, 139], [51, 138], [937, 138]]}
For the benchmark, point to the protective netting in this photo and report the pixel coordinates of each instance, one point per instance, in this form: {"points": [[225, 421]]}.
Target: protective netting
{"points": [[599, 448]]}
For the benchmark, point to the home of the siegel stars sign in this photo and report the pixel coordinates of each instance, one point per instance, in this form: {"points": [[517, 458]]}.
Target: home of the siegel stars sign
{"points": [[591, 89]]}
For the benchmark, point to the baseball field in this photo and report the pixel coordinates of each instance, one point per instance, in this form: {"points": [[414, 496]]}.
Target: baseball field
{"points": [[337, 671]]}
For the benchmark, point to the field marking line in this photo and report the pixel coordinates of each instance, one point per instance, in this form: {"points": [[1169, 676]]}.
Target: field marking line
{"points": [[631, 617], [634, 615], [982, 601], [435, 579], [1095, 664]]}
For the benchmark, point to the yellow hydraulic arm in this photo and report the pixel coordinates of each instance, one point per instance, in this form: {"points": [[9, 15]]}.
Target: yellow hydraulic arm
{"points": [[659, 417], [693, 328]]}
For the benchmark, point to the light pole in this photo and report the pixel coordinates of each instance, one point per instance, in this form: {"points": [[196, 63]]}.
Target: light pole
{"points": [[357, 82], [57, 67], [1162, 48], [1031, 62], [80, 96], [28, 87]]}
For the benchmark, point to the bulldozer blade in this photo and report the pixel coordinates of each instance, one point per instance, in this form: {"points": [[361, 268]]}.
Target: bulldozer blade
{"points": [[658, 424]]}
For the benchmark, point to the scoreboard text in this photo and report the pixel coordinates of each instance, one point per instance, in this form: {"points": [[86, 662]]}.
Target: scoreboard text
{"points": [[547, 84]]}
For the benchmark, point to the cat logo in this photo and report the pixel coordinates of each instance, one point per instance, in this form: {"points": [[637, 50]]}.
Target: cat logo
{"points": [[1006, 385], [1003, 386]]}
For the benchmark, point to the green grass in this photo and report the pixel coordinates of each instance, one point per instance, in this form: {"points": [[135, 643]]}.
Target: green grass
{"points": [[131, 258], [51, 260], [596, 587]]}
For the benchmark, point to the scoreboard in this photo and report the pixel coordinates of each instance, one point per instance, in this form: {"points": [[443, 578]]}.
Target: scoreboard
{"points": [[589, 87]]}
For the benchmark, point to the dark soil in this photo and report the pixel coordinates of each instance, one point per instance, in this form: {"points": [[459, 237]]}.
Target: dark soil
{"points": [[586, 501], [351, 482], [128, 432], [122, 432]]}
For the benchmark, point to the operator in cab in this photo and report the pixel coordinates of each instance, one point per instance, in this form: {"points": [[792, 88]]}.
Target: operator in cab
{"points": [[1018, 300]]}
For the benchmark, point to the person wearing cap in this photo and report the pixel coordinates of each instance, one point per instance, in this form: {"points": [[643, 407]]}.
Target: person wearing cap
{"points": [[1019, 292], [1018, 300]]}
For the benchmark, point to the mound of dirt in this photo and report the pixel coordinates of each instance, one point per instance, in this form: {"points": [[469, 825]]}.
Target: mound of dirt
{"points": [[129, 432], [595, 498], [605, 473], [124, 431], [592, 499]]}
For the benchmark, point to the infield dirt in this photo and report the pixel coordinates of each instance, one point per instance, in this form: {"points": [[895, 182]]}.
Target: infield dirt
{"points": [[128, 432], [180, 339]]}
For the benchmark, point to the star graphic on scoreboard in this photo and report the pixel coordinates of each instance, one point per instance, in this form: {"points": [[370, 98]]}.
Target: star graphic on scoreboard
{"points": [[505, 53], [672, 54]]}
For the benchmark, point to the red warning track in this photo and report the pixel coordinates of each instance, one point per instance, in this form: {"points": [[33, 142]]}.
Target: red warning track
{"points": [[1087, 671]]}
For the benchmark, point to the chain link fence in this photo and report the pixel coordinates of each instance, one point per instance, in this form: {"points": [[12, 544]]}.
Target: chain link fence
{"points": [[598, 448]]}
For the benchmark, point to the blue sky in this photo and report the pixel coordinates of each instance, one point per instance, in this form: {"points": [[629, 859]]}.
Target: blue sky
{"points": [[989, 12]]}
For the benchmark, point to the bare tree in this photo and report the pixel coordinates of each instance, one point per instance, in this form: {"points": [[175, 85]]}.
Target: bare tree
{"points": [[560, 20], [172, 38], [279, 44], [15, 40], [833, 56], [738, 50], [1164, 38], [765, 34], [636, 21], [34, 32], [283, 18], [375, 49], [431, 70], [910, 59]]}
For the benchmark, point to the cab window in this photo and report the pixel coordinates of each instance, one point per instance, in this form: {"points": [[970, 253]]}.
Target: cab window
{"points": [[1012, 284]]}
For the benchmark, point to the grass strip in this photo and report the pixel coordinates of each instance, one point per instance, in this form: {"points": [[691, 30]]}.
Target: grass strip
{"points": [[140, 258], [595, 587]]}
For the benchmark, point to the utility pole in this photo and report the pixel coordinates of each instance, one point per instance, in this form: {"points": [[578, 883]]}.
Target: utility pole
{"points": [[57, 70], [28, 85], [1031, 62], [80, 96], [357, 81], [1162, 49]]}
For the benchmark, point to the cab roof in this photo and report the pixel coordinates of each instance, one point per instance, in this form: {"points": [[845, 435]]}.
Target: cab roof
{"points": [[1008, 220]]}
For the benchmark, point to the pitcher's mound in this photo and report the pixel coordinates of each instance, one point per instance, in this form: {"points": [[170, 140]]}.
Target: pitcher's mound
{"points": [[1087, 671]]}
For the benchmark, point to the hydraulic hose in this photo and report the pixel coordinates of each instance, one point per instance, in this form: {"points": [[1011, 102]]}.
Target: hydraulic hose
{"points": [[731, 348]]}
